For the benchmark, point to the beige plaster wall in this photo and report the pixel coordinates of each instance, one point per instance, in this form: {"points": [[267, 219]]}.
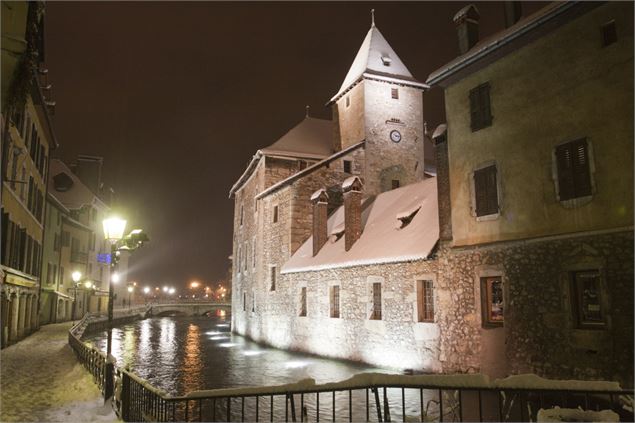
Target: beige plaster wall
{"points": [[562, 87]]}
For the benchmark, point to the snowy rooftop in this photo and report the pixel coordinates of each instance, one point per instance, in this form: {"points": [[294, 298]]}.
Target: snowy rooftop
{"points": [[376, 57], [71, 192], [310, 138], [386, 237]]}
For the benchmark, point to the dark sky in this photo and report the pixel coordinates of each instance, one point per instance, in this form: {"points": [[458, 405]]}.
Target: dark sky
{"points": [[177, 97]]}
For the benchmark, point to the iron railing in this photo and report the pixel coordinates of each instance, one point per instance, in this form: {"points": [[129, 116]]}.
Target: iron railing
{"points": [[401, 399], [139, 401]]}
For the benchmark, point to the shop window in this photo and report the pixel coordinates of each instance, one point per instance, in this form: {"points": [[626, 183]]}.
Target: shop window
{"points": [[587, 298], [492, 301]]}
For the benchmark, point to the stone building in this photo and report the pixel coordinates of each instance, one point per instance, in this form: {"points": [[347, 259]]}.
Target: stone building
{"points": [[27, 141], [535, 173], [516, 257]]}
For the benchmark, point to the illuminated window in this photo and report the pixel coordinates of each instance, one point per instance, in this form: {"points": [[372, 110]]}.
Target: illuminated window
{"points": [[587, 299], [492, 301], [303, 302], [480, 110], [273, 278], [335, 301], [394, 93], [574, 174], [425, 301], [609, 33], [275, 214], [376, 311]]}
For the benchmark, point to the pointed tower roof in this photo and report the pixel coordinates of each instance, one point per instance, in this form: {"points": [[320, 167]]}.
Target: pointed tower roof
{"points": [[377, 60]]}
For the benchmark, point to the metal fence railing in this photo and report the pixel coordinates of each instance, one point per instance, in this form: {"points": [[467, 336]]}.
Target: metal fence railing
{"points": [[366, 397], [139, 401]]}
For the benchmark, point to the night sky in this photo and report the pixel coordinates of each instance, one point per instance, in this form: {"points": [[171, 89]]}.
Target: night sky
{"points": [[177, 97]]}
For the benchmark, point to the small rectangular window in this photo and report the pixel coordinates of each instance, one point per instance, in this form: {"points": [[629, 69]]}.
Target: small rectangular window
{"points": [[425, 301], [486, 191], [303, 302], [492, 301], [273, 278], [335, 301], [303, 164], [253, 253], [574, 174], [244, 301], [348, 101], [242, 214], [66, 239], [480, 110], [395, 93], [347, 166], [587, 295], [376, 312], [395, 183], [609, 33], [275, 214]]}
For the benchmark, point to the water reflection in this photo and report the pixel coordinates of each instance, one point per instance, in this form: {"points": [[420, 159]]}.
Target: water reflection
{"points": [[181, 354]]}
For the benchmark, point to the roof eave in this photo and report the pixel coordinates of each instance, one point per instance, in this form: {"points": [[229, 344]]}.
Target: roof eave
{"points": [[373, 76], [470, 57], [246, 174]]}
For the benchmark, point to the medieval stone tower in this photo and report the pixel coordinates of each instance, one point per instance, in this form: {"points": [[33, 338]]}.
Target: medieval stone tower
{"points": [[381, 102]]}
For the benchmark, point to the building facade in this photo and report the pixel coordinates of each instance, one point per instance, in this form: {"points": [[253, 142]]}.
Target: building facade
{"points": [[537, 164], [27, 141], [516, 258]]}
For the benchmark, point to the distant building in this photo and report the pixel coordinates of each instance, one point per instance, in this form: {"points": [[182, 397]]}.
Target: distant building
{"points": [[536, 187], [27, 141]]}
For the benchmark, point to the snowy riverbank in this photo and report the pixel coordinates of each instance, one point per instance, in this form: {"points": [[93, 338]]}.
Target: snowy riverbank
{"points": [[41, 381]]}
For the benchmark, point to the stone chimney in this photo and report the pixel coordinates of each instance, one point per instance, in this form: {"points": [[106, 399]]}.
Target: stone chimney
{"points": [[320, 200], [440, 140], [513, 11], [466, 21], [352, 188]]}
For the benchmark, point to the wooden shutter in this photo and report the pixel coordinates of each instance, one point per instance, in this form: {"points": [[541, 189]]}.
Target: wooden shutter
{"points": [[486, 115], [486, 191], [474, 109], [480, 112], [581, 173], [574, 176]]}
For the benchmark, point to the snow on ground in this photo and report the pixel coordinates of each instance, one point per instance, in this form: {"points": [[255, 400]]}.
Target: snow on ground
{"points": [[42, 381]]}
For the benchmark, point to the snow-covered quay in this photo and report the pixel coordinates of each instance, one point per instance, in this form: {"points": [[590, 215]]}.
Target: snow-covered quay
{"points": [[42, 381]]}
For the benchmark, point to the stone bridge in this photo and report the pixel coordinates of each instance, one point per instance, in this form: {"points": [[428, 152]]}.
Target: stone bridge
{"points": [[187, 309]]}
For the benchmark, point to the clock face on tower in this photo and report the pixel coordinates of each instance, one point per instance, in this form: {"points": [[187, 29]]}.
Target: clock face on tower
{"points": [[395, 136]]}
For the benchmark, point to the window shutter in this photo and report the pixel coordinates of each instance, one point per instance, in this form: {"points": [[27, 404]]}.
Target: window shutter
{"points": [[486, 191], [486, 115], [565, 172], [492, 190], [474, 109], [581, 174]]}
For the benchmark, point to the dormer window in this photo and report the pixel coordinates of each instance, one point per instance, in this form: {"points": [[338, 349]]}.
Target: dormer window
{"points": [[386, 60]]}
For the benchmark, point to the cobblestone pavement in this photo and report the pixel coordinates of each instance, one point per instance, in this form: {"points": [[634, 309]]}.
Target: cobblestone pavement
{"points": [[41, 381]]}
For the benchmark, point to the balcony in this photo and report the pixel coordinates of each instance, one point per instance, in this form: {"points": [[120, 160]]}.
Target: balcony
{"points": [[79, 257]]}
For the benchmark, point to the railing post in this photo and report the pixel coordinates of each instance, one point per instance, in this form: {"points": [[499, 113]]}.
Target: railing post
{"points": [[109, 388], [125, 396]]}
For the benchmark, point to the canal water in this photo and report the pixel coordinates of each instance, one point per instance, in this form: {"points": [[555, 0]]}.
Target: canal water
{"points": [[185, 354]]}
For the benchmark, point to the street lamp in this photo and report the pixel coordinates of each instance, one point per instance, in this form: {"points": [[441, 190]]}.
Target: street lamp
{"points": [[114, 228], [130, 289], [76, 276]]}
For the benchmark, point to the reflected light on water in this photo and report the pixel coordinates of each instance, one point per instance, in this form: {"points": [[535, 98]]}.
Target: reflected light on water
{"points": [[218, 338], [222, 325], [252, 353], [214, 332], [192, 364], [228, 344], [298, 364]]}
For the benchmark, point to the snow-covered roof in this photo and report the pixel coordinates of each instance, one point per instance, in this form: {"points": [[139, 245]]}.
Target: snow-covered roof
{"points": [[493, 43], [75, 193], [376, 58], [311, 138], [384, 239]]}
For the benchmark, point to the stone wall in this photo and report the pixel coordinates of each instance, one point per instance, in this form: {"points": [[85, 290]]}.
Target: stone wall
{"points": [[540, 333]]}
